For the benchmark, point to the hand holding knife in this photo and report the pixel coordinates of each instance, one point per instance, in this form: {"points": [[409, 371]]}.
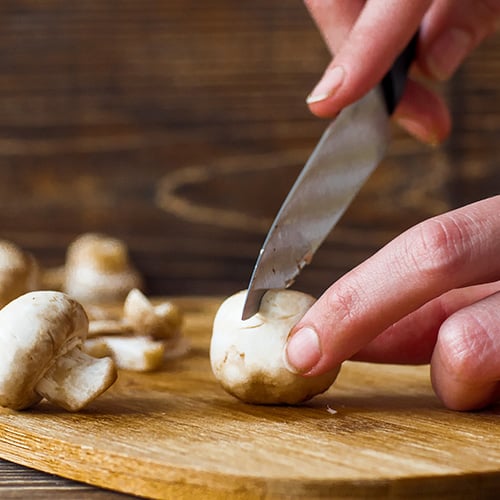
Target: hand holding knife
{"points": [[349, 150]]}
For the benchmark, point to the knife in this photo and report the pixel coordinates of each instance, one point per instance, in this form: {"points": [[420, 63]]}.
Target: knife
{"points": [[348, 152]]}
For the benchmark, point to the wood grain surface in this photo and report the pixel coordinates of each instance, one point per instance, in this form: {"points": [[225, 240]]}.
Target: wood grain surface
{"points": [[175, 433], [101, 101], [181, 128]]}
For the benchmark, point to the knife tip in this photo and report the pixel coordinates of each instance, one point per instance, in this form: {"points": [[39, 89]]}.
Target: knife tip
{"points": [[252, 303]]}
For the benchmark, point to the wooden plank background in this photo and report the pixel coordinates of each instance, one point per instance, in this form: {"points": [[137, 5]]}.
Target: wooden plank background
{"points": [[179, 126]]}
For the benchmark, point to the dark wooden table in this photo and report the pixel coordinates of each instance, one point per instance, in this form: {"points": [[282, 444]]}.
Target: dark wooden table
{"points": [[180, 129]]}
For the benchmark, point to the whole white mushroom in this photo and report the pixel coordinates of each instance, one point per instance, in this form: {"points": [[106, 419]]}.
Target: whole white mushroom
{"points": [[98, 269], [41, 335], [247, 357]]}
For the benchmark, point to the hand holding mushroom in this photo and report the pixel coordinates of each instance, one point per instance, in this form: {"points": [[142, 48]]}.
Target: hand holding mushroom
{"points": [[247, 357]]}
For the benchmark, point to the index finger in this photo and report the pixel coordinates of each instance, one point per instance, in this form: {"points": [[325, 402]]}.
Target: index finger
{"points": [[376, 38], [456, 249]]}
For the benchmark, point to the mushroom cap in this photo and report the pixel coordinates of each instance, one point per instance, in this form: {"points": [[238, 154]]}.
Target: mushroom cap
{"points": [[103, 252], [35, 329], [19, 272], [247, 357]]}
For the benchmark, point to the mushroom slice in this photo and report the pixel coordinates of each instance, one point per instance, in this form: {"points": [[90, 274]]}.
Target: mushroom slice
{"points": [[161, 321], [247, 357], [138, 353], [40, 337]]}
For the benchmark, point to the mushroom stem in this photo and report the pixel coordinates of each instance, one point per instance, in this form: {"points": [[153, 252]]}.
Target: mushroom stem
{"points": [[76, 379]]}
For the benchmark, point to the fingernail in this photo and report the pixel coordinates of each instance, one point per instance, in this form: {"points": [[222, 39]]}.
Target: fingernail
{"points": [[328, 85], [303, 351], [420, 131], [447, 53]]}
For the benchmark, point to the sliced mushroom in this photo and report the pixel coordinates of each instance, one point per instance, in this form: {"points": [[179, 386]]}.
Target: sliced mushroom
{"points": [[247, 357], [142, 338], [96, 347], [41, 335], [139, 353], [161, 321]]}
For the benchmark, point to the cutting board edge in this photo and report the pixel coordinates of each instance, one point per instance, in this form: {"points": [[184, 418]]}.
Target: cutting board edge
{"points": [[215, 485]]}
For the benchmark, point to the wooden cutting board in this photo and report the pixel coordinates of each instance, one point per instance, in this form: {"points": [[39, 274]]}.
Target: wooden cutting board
{"points": [[378, 432]]}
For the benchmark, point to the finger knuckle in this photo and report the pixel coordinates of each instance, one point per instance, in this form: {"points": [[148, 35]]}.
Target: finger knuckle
{"points": [[464, 346], [343, 303], [439, 248]]}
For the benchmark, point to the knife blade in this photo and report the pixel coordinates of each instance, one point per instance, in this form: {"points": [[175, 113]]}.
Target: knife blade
{"points": [[348, 152]]}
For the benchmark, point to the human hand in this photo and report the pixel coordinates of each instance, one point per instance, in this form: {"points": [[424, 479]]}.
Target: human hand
{"points": [[430, 295], [367, 35]]}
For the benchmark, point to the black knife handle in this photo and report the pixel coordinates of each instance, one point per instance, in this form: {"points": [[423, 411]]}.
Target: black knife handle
{"points": [[393, 83]]}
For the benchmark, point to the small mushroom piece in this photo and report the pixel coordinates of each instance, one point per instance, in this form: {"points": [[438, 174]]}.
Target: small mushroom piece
{"points": [[161, 321], [247, 357], [19, 272], [41, 334], [98, 269], [139, 354]]}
